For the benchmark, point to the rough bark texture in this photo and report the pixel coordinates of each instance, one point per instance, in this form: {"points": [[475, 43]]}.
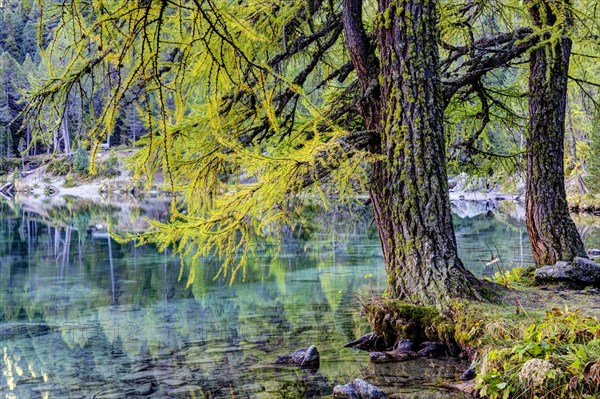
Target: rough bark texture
{"points": [[552, 233], [409, 189], [362, 54]]}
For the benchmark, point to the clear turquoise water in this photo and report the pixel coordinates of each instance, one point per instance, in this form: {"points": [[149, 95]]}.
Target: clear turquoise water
{"points": [[85, 317]]}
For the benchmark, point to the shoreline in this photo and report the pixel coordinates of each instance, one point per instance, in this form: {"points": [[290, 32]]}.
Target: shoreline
{"points": [[38, 187]]}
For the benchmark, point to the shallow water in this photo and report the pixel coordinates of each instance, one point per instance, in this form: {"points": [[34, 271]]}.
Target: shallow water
{"points": [[85, 317]]}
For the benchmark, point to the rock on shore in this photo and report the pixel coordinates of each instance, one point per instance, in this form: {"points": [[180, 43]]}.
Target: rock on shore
{"points": [[579, 271]]}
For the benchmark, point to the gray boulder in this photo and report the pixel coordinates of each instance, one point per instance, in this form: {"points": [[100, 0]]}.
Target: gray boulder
{"points": [[304, 357], [552, 272], [579, 271], [358, 389], [583, 270]]}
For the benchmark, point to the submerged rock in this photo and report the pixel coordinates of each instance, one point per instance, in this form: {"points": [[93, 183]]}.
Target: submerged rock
{"points": [[345, 392], [304, 357], [145, 376], [467, 387], [357, 389], [370, 342], [404, 351], [392, 356], [579, 271]]}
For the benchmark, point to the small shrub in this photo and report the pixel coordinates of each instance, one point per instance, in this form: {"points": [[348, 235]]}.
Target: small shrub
{"points": [[81, 162], [59, 167], [109, 167], [8, 165], [69, 181]]}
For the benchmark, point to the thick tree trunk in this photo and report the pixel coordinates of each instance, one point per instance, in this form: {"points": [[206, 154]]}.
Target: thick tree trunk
{"points": [[552, 233], [409, 189]]}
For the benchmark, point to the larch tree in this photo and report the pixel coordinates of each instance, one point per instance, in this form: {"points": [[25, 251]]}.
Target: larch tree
{"points": [[408, 187], [552, 232], [252, 107]]}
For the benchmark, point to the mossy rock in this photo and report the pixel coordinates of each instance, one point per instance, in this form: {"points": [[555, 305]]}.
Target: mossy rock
{"points": [[395, 319]]}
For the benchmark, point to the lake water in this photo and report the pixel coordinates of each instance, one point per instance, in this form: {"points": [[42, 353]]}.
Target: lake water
{"points": [[85, 317]]}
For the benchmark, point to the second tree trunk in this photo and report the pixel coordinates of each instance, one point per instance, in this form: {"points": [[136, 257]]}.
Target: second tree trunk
{"points": [[552, 233]]}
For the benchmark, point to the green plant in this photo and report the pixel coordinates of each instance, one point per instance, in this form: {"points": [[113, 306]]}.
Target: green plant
{"points": [[593, 164], [559, 357], [513, 276], [58, 167], [8, 165], [81, 162], [69, 181], [109, 167]]}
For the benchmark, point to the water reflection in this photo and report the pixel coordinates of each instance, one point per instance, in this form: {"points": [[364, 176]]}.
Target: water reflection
{"points": [[84, 316], [495, 236]]}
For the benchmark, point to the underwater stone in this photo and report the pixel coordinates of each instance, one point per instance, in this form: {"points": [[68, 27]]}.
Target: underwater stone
{"points": [[358, 389], [345, 392], [304, 357], [369, 342]]}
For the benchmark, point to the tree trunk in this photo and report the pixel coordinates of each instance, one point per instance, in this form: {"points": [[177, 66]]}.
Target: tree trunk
{"points": [[552, 233], [64, 129], [409, 189]]}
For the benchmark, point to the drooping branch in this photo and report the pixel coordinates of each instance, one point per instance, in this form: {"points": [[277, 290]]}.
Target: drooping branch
{"points": [[328, 161]]}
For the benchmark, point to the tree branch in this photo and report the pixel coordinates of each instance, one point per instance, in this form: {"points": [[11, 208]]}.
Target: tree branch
{"points": [[358, 44], [485, 54]]}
